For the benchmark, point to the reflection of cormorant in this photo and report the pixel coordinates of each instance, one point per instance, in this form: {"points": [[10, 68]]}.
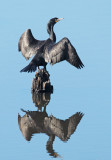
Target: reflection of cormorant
{"points": [[41, 100], [32, 122], [47, 51], [39, 122]]}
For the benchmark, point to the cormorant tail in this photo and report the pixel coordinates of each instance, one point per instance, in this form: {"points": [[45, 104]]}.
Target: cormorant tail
{"points": [[29, 68]]}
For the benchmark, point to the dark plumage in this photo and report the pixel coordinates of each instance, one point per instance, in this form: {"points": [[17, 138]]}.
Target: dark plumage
{"points": [[47, 50]]}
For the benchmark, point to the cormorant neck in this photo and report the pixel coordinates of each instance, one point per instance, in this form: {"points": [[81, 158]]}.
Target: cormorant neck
{"points": [[51, 32]]}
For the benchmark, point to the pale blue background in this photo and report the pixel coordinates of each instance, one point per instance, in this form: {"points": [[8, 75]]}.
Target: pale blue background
{"points": [[87, 23]]}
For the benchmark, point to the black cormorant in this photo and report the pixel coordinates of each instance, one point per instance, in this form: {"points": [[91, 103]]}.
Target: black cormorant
{"points": [[47, 50]]}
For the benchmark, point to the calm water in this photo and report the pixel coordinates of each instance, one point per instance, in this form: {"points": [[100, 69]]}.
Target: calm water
{"points": [[50, 131]]}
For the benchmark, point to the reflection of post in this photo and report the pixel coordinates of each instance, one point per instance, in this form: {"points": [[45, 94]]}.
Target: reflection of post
{"points": [[41, 82], [41, 100]]}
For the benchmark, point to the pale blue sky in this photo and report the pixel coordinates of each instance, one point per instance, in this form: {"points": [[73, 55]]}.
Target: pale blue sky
{"points": [[87, 24]]}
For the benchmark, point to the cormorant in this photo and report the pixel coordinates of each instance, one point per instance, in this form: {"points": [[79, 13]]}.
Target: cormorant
{"points": [[47, 50]]}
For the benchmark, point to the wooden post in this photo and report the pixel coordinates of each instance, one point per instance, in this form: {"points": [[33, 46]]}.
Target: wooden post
{"points": [[41, 82]]}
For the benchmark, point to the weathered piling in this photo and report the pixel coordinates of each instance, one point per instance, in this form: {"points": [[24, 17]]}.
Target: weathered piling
{"points": [[41, 82]]}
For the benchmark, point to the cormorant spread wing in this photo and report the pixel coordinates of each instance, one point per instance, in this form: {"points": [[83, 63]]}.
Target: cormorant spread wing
{"points": [[63, 50], [28, 45]]}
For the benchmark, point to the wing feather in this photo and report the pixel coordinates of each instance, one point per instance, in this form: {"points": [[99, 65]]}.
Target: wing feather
{"points": [[63, 50], [28, 45]]}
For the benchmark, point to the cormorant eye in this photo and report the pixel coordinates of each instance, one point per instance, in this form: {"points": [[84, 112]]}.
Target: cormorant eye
{"points": [[56, 20]]}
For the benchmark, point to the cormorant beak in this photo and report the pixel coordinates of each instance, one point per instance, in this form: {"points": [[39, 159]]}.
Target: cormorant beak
{"points": [[59, 19]]}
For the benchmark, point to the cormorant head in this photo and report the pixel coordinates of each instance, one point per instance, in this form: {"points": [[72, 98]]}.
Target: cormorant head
{"points": [[50, 26], [53, 21]]}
